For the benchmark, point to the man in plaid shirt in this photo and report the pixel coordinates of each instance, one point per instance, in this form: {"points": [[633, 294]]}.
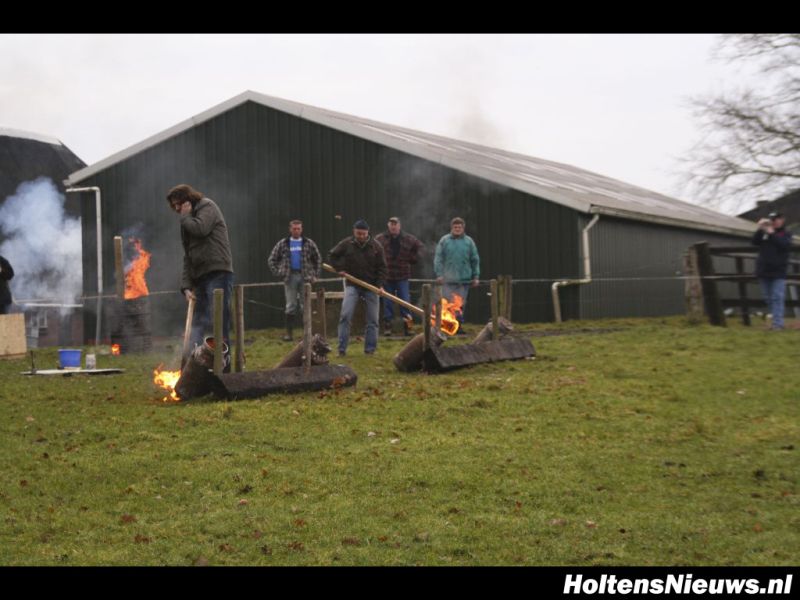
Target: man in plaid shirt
{"points": [[297, 260]]}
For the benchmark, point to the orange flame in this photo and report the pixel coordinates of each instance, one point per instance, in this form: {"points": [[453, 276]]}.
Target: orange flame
{"points": [[167, 380], [135, 284], [450, 323], [115, 350]]}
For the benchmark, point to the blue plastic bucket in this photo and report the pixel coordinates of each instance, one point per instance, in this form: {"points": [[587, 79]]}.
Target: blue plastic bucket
{"points": [[69, 359]]}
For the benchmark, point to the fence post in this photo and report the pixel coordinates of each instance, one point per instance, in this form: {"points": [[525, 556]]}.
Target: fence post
{"points": [[426, 318], [238, 306], [743, 290], [323, 315], [495, 310], [509, 296], [711, 299], [307, 325], [218, 341]]}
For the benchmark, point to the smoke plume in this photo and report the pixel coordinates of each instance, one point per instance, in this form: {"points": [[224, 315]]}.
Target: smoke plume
{"points": [[43, 244]]}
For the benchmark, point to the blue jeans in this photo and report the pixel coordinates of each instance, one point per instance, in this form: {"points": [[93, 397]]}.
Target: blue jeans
{"points": [[293, 291], [774, 294], [401, 290], [351, 296], [203, 320], [462, 289]]}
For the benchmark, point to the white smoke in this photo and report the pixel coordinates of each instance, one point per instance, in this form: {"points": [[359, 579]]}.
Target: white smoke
{"points": [[43, 244]]}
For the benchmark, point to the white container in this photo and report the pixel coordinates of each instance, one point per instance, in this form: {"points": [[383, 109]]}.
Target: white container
{"points": [[91, 362]]}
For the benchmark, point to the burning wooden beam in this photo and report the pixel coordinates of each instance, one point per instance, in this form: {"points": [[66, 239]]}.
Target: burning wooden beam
{"points": [[439, 358]]}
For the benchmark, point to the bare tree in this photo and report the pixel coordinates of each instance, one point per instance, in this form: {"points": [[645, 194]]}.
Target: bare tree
{"points": [[750, 149]]}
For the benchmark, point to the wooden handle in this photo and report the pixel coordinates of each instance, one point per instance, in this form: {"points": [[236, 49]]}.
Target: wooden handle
{"points": [[377, 290], [188, 330]]}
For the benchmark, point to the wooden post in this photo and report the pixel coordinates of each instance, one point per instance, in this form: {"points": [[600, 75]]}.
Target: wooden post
{"points": [[323, 313], [307, 325], [437, 298], [426, 319], [509, 297], [692, 288], [743, 291], [495, 312], [501, 294], [711, 298], [238, 307], [218, 341], [119, 273]]}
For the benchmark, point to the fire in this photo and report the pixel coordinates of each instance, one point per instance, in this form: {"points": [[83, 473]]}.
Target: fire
{"points": [[167, 380], [115, 349], [135, 284], [450, 323]]}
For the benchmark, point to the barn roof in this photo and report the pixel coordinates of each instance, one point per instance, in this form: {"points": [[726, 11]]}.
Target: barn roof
{"points": [[560, 183]]}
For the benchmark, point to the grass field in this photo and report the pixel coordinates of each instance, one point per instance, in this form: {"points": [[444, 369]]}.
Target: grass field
{"points": [[658, 443]]}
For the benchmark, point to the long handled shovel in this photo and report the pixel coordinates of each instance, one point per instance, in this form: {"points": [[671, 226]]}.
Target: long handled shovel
{"points": [[187, 332]]}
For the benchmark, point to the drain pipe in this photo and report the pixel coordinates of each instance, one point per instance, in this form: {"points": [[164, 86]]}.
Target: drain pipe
{"points": [[98, 210], [587, 270]]}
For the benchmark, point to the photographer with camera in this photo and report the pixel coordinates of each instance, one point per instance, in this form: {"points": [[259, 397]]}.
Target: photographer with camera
{"points": [[774, 241]]}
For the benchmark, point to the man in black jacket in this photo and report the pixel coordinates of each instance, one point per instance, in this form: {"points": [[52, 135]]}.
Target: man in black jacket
{"points": [[774, 241], [6, 273], [362, 257]]}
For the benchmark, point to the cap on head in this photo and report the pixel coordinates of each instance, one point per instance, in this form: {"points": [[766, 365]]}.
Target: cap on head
{"points": [[394, 220], [361, 224], [775, 215]]}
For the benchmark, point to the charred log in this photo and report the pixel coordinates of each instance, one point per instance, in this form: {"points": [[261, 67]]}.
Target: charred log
{"points": [[319, 354], [485, 334]]}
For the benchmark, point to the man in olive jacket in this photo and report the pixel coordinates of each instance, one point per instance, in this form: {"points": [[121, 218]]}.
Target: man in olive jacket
{"points": [[362, 257], [207, 260]]}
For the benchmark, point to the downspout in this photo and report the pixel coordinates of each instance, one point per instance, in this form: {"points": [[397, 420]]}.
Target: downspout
{"points": [[587, 270], [98, 210]]}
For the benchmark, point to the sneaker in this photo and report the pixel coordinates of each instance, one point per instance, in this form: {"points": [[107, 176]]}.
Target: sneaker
{"points": [[387, 329], [369, 352], [342, 353]]}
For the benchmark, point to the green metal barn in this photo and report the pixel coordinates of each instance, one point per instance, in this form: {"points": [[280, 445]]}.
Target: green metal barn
{"points": [[265, 161]]}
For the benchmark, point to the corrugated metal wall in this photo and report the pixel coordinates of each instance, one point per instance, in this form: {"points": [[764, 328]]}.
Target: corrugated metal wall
{"points": [[635, 268], [264, 167]]}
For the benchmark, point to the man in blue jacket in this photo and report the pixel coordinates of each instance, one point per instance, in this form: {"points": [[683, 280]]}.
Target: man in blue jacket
{"points": [[774, 241], [457, 265]]}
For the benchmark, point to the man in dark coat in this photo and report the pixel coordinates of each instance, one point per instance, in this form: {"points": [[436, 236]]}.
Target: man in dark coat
{"points": [[773, 241], [6, 273], [362, 257], [207, 260]]}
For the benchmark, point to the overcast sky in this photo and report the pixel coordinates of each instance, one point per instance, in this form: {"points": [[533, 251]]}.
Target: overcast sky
{"points": [[612, 104]]}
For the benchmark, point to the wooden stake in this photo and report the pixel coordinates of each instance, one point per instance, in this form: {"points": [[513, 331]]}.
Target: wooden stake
{"points": [[509, 296], [238, 308], [323, 314], [218, 341], [437, 297], [495, 309], [307, 325]]}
